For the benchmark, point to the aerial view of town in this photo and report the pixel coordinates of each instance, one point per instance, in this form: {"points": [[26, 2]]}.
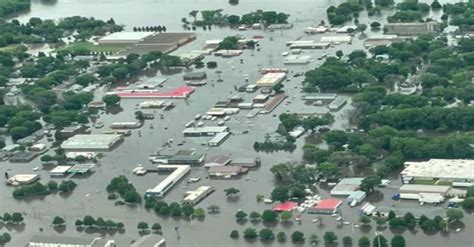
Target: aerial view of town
{"points": [[212, 123]]}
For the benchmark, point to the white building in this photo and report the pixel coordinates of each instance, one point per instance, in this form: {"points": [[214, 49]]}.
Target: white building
{"points": [[93, 142], [125, 37], [271, 79], [339, 39], [179, 171], [449, 170], [195, 196]]}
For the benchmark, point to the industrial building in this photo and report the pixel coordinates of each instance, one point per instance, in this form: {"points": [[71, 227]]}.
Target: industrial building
{"points": [[150, 240], [125, 125], [298, 59], [346, 186], [124, 38], [339, 39], [327, 206], [337, 104], [429, 212], [285, 206], [59, 171], [86, 155], [219, 160], [324, 97], [356, 197], [195, 196], [307, 44], [413, 28], [178, 172], [226, 171], [181, 157], [271, 79], [23, 157], [23, 179], [439, 170], [218, 139], [93, 142], [71, 131], [81, 168], [195, 76], [246, 162], [204, 131], [66, 241]]}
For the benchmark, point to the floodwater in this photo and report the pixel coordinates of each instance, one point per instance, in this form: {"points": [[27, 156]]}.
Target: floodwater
{"points": [[215, 229]]}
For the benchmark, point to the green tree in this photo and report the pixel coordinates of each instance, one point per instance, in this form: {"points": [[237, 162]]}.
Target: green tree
{"points": [[156, 227], [347, 241], [397, 223], [364, 242], [187, 210], [7, 217], [391, 215], [286, 216], [313, 239], [52, 185], [234, 234], [380, 241], [231, 192], [328, 170], [329, 237], [58, 221], [468, 203], [228, 43], [78, 223], [255, 216], [17, 218], [269, 216], [454, 215], [297, 237], [280, 194], [365, 220], [266, 235], [250, 233], [339, 54], [111, 100], [199, 213], [142, 226], [398, 241], [240, 215], [368, 184], [281, 236], [88, 221]]}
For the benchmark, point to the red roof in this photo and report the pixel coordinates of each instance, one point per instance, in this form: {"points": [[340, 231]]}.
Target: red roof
{"points": [[180, 92], [285, 206], [329, 204]]}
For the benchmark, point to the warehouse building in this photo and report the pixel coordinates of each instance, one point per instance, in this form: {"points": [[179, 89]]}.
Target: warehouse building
{"points": [[59, 171], [149, 240], [181, 157], [219, 160], [178, 172], [93, 142], [336, 39], [246, 162], [413, 28], [226, 171], [66, 241], [23, 157], [218, 139], [346, 186], [125, 38], [23, 179], [271, 79], [327, 206], [439, 170], [337, 104], [195, 196], [205, 131]]}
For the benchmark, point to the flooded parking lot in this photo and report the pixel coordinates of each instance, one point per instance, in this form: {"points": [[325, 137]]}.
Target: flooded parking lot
{"points": [[215, 229]]}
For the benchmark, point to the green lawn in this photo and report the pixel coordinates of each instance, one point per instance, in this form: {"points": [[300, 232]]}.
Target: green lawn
{"points": [[94, 48], [10, 48]]}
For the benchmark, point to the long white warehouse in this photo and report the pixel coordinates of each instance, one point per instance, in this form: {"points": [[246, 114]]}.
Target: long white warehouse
{"points": [[179, 171]]}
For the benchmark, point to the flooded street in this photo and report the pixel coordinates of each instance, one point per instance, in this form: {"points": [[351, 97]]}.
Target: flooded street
{"points": [[214, 230]]}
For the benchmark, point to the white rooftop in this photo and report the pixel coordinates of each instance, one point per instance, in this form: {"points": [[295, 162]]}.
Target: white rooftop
{"points": [[193, 195], [60, 169], [126, 36], [440, 168], [93, 141]]}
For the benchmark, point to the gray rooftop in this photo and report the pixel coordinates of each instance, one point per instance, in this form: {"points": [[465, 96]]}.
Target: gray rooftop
{"points": [[61, 240]]}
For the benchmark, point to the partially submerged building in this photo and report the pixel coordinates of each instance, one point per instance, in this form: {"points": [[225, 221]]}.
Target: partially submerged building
{"points": [[93, 142], [177, 173], [204, 131], [150, 240], [226, 171], [195, 196], [413, 28], [456, 171], [67, 241]]}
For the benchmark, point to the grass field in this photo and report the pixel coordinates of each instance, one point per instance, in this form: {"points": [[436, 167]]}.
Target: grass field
{"points": [[94, 48], [10, 48]]}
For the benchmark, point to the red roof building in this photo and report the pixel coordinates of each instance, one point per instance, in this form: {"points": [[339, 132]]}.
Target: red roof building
{"points": [[285, 206], [328, 206]]}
